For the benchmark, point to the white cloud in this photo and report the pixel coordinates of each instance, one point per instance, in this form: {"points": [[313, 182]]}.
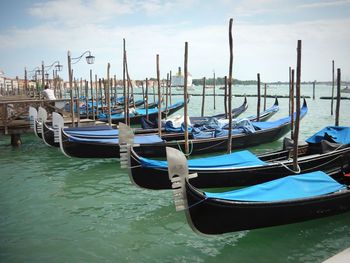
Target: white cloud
{"points": [[265, 49], [325, 4], [79, 12]]}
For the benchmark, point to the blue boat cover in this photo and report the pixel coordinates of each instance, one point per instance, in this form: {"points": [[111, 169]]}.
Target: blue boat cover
{"points": [[101, 133], [138, 112], [243, 126], [287, 188], [336, 134], [262, 125], [237, 159], [141, 139], [89, 128]]}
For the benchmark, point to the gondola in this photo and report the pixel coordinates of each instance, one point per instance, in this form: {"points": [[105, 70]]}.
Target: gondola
{"points": [[153, 124], [264, 132], [105, 148], [330, 151], [137, 114], [108, 132], [282, 201]]}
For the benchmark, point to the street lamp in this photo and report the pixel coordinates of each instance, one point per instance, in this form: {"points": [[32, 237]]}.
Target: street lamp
{"points": [[58, 66], [90, 59]]}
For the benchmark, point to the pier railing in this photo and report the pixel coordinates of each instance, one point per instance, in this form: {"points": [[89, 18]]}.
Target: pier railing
{"points": [[14, 117]]}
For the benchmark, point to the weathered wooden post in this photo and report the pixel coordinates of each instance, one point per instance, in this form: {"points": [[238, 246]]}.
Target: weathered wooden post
{"points": [[292, 106], [70, 76], [26, 81], [159, 99], [185, 99], [124, 86], [264, 96], [154, 92], [87, 98], [332, 87], [290, 91], [16, 140], [203, 96], [101, 96], [166, 95], [143, 91], [170, 89], [42, 75], [214, 90], [258, 103], [97, 96], [146, 99], [18, 90], [115, 90], [225, 97], [108, 96], [92, 97], [77, 102], [297, 119], [229, 138], [313, 89], [337, 107]]}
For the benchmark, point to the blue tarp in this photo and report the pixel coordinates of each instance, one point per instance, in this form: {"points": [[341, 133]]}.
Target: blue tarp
{"points": [[237, 159], [138, 112], [89, 128], [137, 139], [336, 134], [290, 187], [109, 132], [243, 126]]}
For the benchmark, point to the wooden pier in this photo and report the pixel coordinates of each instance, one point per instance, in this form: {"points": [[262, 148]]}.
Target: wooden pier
{"points": [[14, 118]]}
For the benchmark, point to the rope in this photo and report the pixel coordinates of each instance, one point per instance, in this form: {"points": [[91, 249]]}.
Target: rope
{"points": [[314, 167], [189, 207], [136, 166], [191, 148], [291, 170]]}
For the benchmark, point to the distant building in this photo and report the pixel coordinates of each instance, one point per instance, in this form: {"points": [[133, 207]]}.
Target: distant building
{"points": [[178, 80]]}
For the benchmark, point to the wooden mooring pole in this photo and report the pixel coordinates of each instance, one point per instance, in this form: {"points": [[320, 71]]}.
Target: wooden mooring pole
{"points": [[332, 87], [146, 99], [124, 86], [108, 95], [229, 137], [214, 90], [264, 96], [159, 99], [225, 98], [297, 119], [337, 107], [259, 99], [292, 105], [185, 99], [92, 96], [203, 97]]}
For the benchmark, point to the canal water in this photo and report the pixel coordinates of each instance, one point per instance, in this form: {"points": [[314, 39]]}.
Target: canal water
{"points": [[57, 209]]}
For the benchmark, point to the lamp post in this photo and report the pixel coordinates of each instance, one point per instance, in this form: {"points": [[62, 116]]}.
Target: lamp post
{"points": [[58, 67], [90, 60]]}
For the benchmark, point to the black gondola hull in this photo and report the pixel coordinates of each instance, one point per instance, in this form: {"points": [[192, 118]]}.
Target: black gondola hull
{"points": [[157, 178], [211, 216]]}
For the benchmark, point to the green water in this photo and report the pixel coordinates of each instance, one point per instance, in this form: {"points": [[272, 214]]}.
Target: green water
{"points": [[56, 209]]}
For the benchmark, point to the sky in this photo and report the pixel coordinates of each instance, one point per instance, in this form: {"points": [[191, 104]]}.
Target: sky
{"points": [[265, 35]]}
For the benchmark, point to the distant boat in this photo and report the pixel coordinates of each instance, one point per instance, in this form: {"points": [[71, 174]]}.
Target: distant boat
{"points": [[345, 90]]}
